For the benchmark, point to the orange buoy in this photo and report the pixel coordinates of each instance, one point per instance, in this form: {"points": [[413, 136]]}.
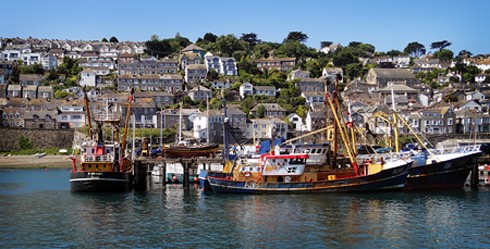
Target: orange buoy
{"points": [[174, 178], [196, 179]]}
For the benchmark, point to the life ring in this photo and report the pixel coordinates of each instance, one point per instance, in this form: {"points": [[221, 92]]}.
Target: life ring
{"points": [[247, 173]]}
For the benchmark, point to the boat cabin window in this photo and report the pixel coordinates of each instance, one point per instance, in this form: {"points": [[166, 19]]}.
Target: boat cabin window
{"points": [[249, 169], [297, 161], [291, 170]]}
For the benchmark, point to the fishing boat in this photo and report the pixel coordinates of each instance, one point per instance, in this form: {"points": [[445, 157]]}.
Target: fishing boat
{"points": [[290, 173], [103, 165], [435, 168], [446, 168]]}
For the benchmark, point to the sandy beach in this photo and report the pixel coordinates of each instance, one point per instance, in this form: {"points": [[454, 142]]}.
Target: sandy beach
{"points": [[25, 162]]}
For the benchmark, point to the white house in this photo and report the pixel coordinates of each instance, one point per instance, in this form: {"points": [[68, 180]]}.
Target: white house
{"points": [[71, 116], [195, 73], [228, 66], [201, 122], [474, 95], [313, 97], [49, 62], [246, 89], [480, 78], [331, 71], [297, 122], [298, 74], [88, 78], [265, 90], [266, 128]]}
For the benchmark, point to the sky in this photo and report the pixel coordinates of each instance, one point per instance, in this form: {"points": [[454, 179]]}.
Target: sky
{"points": [[386, 24]]}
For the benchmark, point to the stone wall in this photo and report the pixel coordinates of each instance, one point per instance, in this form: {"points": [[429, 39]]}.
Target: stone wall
{"points": [[40, 138]]}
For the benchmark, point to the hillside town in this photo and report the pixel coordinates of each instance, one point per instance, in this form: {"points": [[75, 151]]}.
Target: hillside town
{"points": [[42, 84]]}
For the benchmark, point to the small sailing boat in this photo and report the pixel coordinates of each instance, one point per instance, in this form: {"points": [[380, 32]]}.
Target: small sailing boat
{"points": [[186, 149]]}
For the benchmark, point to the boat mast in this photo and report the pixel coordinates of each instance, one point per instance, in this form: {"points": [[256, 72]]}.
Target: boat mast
{"points": [[126, 123], [226, 153], [342, 132], [207, 120], [88, 114], [395, 121], [180, 123]]}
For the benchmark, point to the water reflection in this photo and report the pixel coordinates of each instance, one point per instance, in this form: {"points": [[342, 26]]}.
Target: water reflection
{"points": [[37, 215]]}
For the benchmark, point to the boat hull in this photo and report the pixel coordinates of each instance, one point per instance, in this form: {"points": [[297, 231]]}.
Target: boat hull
{"points": [[389, 179], [190, 152], [203, 178], [101, 181], [445, 174]]}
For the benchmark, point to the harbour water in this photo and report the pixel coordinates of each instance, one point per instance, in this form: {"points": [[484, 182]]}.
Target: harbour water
{"points": [[37, 210]]}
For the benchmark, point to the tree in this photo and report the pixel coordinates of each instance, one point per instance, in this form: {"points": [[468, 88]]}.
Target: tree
{"points": [[104, 40], [210, 37], [353, 70], [292, 49], [250, 38], [260, 111], [227, 44], [113, 39], [178, 42], [159, 48], [393, 53], [440, 45], [24, 143], [296, 36], [445, 55], [415, 49], [212, 75], [464, 54], [325, 44], [343, 57]]}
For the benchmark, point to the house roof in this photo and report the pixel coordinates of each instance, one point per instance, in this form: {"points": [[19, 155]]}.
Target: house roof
{"points": [[147, 94], [32, 77], [313, 94], [275, 60], [265, 88], [192, 47], [269, 107], [41, 114], [390, 73], [30, 88], [14, 87], [200, 88], [196, 67], [398, 88]]}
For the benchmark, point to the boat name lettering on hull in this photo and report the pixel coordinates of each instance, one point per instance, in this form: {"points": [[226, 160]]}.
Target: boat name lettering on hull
{"points": [[251, 185], [398, 171], [448, 165]]}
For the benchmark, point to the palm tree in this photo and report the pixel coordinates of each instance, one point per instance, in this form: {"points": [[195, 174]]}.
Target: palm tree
{"points": [[440, 45]]}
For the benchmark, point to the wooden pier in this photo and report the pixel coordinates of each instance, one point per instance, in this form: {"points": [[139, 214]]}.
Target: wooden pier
{"points": [[144, 166]]}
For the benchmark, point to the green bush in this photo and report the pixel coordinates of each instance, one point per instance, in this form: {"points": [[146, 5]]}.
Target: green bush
{"points": [[24, 143]]}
